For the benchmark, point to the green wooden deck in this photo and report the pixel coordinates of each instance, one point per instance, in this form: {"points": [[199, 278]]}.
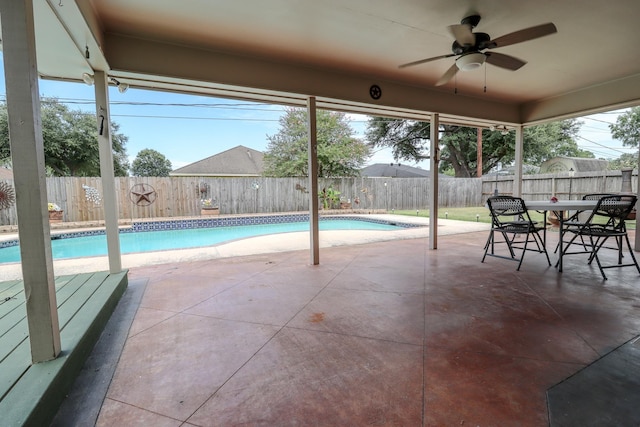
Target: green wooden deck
{"points": [[31, 394]]}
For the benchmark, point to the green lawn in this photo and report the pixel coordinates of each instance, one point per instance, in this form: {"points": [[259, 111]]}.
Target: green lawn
{"points": [[479, 214]]}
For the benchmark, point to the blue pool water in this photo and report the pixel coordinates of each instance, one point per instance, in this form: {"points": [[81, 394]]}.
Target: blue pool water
{"points": [[148, 241]]}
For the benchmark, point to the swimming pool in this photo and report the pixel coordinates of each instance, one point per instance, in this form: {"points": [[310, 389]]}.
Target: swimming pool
{"points": [[182, 234]]}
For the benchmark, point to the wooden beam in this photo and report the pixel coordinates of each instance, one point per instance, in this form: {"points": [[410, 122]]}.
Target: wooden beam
{"points": [[27, 155], [479, 154], [433, 182], [517, 179], [313, 181], [110, 205]]}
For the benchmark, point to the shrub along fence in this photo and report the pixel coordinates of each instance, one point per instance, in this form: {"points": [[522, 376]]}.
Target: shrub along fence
{"points": [[138, 198]]}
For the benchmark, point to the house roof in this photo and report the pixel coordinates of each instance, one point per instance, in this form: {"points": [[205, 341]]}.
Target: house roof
{"points": [[577, 164], [237, 161], [283, 51], [394, 170]]}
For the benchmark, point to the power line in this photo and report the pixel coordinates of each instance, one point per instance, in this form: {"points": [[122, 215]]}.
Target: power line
{"points": [[601, 145]]}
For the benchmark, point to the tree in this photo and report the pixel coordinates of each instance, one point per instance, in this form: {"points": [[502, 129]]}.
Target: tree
{"points": [[70, 141], [627, 127], [626, 160], [409, 140], [339, 153], [150, 162]]}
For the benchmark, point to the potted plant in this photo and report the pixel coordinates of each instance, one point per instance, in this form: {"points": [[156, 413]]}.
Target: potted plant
{"points": [[209, 207], [345, 203], [329, 197], [55, 212]]}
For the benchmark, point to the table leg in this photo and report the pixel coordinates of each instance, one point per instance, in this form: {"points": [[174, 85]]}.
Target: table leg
{"points": [[561, 237]]}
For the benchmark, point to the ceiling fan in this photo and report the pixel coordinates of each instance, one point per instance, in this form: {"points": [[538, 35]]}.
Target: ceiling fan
{"points": [[469, 47]]}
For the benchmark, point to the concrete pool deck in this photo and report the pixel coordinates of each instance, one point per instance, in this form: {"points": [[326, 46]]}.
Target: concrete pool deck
{"points": [[251, 246]]}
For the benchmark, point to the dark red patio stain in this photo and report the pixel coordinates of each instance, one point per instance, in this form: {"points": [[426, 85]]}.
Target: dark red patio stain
{"points": [[316, 317]]}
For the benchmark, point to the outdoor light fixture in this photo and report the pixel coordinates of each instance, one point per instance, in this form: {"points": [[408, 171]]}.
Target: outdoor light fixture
{"points": [[470, 61], [122, 87], [501, 128], [87, 78]]}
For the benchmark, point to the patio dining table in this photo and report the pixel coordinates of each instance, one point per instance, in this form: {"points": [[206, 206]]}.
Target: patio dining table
{"points": [[558, 209]]}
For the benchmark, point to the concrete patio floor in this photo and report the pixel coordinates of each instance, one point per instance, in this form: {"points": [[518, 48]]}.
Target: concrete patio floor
{"points": [[382, 333]]}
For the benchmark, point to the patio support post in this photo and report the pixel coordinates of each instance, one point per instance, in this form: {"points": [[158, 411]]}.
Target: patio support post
{"points": [[313, 181], [109, 198], [434, 159], [479, 154], [517, 174], [27, 155], [637, 241]]}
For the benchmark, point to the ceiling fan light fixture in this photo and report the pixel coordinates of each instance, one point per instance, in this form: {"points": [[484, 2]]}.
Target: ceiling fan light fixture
{"points": [[470, 61]]}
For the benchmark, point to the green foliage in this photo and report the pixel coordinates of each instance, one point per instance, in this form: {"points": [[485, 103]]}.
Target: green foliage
{"points": [[627, 127], [339, 153], [409, 140], [626, 160], [329, 197], [150, 162], [70, 141]]}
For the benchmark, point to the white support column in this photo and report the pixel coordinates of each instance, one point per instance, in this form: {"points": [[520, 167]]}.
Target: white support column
{"points": [[433, 185], [313, 181], [637, 240], [110, 201], [27, 155], [517, 177]]}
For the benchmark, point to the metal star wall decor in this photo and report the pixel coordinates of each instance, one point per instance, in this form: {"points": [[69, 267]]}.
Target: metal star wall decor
{"points": [[142, 194], [7, 196]]}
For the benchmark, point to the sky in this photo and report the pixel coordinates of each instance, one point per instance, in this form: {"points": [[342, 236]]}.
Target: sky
{"points": [[188, 128]]}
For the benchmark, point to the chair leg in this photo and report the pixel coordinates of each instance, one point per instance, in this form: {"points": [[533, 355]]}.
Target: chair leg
{"points": [[633, 257], [524, 251], [544, 249], [486, 246]]}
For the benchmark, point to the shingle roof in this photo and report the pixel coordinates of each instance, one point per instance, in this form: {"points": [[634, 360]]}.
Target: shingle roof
{"points": [[394, 170], [237, 161], [578, 164]]}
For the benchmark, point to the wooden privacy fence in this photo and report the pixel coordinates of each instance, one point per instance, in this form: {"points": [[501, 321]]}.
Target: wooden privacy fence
{"points": [[81, 198], [563, 186]]}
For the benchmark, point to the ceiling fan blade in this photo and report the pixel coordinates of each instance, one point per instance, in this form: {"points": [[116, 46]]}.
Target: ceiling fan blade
{"points": [[448, 75], [523, 35], [422, 61], [504, 61], [463, 35]]}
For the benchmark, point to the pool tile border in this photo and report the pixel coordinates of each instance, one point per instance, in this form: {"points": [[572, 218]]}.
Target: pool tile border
{"points": [[183, 224]]}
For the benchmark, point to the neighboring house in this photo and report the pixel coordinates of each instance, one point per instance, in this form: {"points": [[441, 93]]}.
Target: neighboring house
{"points": [[394, 170], [575, 164], [235, 162]]}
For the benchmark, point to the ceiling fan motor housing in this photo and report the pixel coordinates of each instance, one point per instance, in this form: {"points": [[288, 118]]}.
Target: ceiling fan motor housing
{"points": [[482, 42]]}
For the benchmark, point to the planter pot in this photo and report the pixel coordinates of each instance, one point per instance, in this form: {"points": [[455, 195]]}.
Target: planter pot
{"points": [[210, 211], [553, 220], [345, 205], [55, 216]]}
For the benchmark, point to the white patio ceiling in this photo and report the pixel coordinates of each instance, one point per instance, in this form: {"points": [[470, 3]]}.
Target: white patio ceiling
{"points": [[285, 50]]}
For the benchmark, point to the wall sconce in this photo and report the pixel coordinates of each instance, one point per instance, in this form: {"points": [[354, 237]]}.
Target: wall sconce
{"points": [[87, 78], [500, 128], [122, 87]]}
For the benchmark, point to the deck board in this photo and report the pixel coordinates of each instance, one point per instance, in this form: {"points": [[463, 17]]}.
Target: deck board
{"points": [[85, 302]]}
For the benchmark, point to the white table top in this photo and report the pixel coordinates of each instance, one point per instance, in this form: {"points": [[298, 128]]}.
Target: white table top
{"points": [[560, 205]]}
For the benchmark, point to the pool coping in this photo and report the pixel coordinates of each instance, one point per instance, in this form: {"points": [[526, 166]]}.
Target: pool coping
{"points": [[258, 246]]}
